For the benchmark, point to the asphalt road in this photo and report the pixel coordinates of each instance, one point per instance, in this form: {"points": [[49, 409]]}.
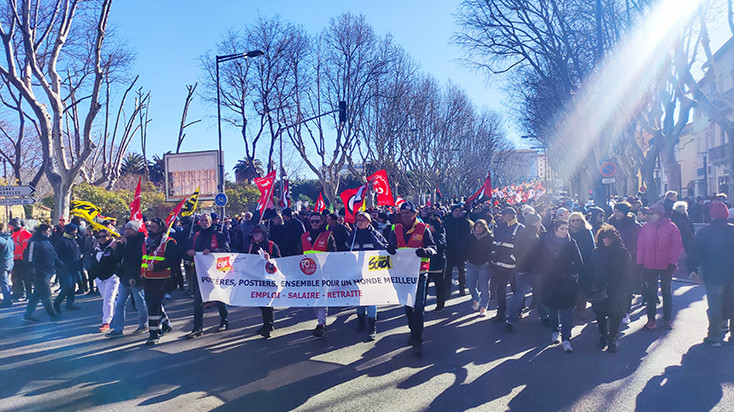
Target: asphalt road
{"points": [[469, 363]]}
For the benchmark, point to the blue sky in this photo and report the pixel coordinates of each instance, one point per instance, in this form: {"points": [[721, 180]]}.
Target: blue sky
{"points": [[170, 36]]}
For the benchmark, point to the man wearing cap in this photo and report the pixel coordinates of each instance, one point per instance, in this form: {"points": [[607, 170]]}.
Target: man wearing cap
{"points": [[21, 281], [504, 261], [207, 240], [658, 249], [129, 252], [68, 251], [317, 240], [409, 232], [711, 249]]}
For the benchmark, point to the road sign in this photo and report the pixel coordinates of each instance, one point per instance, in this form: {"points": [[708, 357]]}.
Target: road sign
{"points": [[608, 169], [17, 190], [220, 200], [608, 180], [17, 201]]}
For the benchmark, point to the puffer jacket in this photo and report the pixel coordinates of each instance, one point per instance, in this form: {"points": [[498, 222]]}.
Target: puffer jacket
{"points": [[659, 245], [712, 249], [41, 257]]}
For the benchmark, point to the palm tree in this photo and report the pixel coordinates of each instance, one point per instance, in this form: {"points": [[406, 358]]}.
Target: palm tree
{"points": [[157, 170], [133, 164], [245, 171]]}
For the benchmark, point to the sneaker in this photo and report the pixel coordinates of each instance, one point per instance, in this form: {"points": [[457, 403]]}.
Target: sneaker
{"points": [[194, 334], [475, 305], [139, 331], [668, 325], [31, 319], [482, 312], [167, 296], [626, 319], [567, 346], [104, 328], [264, 331], [651, 324], [319, 331], [555, 337], [712, 343], [73, 307], [439, 308], [114, 334], [223, 327], [152, 341]]}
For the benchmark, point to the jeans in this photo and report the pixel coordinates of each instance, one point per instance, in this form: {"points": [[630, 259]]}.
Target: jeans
{"points": [[268, 316], [68, 280], [451, 262], [5, 286], [524, 282], [440, 284], [41, 293], [199, 309], [321, 313], [415, 314], [124, 292], [108, 289], [651, 292], [371, 311], [564, 317], [477, 280], [715, 313], [500, 278]]}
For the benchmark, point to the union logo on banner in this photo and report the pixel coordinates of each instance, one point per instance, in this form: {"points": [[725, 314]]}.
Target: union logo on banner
{"points": [[308, 266], [224, 264]]}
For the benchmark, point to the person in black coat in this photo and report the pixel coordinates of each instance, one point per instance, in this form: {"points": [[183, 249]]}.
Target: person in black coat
{"points": [[260, 241], [340, 232], [366, 237], [478, 247], [438, 263], [42, 263], [557, 259], [458, 227], [68, 251], [609, 284], [207, 240], [294, 228]]}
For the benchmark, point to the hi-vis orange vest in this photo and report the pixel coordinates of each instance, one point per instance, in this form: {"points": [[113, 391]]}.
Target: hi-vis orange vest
{"points": [[159, 255], [319, 245], [416, 238], [414, 241]]}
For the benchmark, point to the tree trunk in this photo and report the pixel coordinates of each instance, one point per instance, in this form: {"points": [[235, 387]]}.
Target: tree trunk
{"points": [[672, 169], [62, 198]]}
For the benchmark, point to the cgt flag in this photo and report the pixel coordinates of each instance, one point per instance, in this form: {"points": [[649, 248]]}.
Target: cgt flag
{"points": [[381, 186], [89, 211], [353, 200], [266, 185], [320, 205], [484, 193], [191, 204], [135, 214], [399, 201]]}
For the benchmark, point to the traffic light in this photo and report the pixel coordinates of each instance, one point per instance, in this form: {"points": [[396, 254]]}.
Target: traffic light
{"points": [[342, 112]]}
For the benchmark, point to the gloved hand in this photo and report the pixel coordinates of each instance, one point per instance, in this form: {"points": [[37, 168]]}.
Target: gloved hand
{"points": [[421, 253], [391, 249]]}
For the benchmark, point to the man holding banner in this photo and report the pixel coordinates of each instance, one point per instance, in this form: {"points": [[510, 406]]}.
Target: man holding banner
{"points": [[411, 233], [318, 240]]}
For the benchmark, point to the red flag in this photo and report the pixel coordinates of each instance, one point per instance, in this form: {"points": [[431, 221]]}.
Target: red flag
{"points": [[399, 202], [438, 192], [484, 192], [382, 187], [320, 205], [353, 200], [266, 185], [172, 218], [135, 214]]}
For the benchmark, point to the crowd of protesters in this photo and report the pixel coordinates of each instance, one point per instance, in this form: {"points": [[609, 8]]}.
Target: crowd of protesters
{"points": [[568, 255]]}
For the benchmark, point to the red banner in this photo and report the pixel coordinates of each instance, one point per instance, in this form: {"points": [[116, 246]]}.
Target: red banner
{"points": [[484, 193], [135, 214], [381, 186], [353, 200]]}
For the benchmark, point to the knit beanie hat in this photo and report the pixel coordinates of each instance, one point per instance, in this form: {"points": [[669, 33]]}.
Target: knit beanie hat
{"points": [[623, 207], [719, 211]]}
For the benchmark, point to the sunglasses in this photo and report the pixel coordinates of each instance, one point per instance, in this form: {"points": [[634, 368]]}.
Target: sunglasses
{"points": [[101, 237], [315, 220]]}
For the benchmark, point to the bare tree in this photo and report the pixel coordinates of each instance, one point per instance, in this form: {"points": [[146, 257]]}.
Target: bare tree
{"points": [[189, 97], [54, 59]]}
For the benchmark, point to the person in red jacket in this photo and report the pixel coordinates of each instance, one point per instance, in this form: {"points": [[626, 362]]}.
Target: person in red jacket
{"points": [[21, 281], [659, 246]]}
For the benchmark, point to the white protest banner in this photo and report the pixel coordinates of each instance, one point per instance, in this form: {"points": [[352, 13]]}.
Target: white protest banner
{"points": [[318, 279]]}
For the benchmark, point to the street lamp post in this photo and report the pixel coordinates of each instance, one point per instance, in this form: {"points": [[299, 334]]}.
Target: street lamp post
{"points": [[222, 59]]}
